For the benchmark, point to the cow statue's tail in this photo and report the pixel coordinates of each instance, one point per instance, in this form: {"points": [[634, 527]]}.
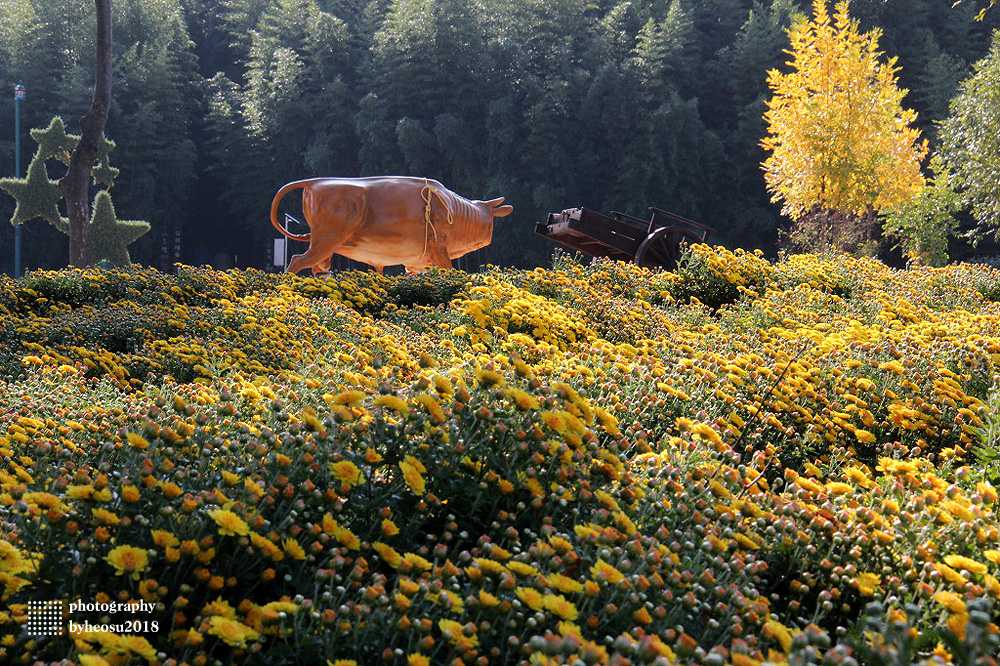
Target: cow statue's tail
{"points": [[297, 185]]}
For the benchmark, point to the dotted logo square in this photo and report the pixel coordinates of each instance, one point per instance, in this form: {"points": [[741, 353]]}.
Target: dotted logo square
{"points": [[46, 618]]}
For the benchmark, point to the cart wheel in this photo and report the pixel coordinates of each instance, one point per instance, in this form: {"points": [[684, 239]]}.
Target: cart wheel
{"points": [[662, 248]]}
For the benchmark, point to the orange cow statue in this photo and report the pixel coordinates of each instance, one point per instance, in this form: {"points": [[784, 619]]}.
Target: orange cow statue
{"points": [[387, 220]]}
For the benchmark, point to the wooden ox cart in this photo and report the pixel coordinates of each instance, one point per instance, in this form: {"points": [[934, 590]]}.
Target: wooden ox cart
{"points": [[652, 243]]}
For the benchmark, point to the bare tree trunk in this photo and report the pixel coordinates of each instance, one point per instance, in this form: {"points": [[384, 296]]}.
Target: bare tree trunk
{"points": [[75, 185]]}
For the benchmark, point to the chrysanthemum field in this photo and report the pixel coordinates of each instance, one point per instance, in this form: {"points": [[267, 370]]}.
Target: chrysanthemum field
{"points": [[737, 463]]}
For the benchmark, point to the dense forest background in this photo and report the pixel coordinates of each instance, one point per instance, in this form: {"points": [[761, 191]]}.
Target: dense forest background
{"points": [[608, 104]]}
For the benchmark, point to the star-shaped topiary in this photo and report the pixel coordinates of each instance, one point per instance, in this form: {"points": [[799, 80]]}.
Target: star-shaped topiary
{"points": [[36, 195], [103, 173], [62, 225], [53, 141], [111, 236], [103, 150]]}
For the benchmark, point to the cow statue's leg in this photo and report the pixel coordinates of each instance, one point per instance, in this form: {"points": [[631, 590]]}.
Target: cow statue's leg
{"points": [[300, 262], [439, 257], [334, 214], [322, 247], [322, 268], [435, 256]]}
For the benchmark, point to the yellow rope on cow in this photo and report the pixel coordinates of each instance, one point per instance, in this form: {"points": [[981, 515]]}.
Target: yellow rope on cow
{"points": [[427, 194]]}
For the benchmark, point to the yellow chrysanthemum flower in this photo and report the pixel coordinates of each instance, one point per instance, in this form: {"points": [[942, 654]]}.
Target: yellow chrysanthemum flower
{"points": [[132, 645], [46, 501], [128, 560], [347, 538], [412, 477], [558, 605], [388, 528], [564, 583], [531, 597], [950, 600], [455, 633], [521, 569], [229, 523], [388, 554], [414, 561], [347, 473], [137, 441], [130, 494], [348, 398], [839, 488], [79, 491], [555, 421], [959, 562], [105, 517], [394, 403], [231, 632], [867, 582], [522, 399], [293, 549], [487, 600], [604, 570], [165, 539]]}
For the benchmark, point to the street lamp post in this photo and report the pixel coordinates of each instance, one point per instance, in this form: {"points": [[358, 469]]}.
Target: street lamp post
{"points": [[19, 94]]}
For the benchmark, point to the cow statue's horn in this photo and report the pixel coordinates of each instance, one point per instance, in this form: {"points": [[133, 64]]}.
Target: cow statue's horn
{"points": [[497, 209]]}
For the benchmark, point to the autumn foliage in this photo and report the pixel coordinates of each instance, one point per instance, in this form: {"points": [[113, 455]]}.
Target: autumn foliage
{"points": [[842, 146]]}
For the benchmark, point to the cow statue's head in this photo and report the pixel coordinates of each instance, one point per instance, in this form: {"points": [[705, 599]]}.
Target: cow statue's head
{"points": [[490, 209]]}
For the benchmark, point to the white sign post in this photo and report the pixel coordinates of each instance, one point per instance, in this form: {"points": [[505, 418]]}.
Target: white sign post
{"points": [[280, 252], [281, 245]]}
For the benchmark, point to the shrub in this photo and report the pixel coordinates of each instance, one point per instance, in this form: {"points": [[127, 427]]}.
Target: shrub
{"points": [[830, 273], [435, 287], [716, 276]]}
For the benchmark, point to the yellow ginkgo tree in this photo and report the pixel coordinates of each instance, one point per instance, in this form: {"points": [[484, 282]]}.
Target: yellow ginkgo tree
{"points": [[842, 145]]}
